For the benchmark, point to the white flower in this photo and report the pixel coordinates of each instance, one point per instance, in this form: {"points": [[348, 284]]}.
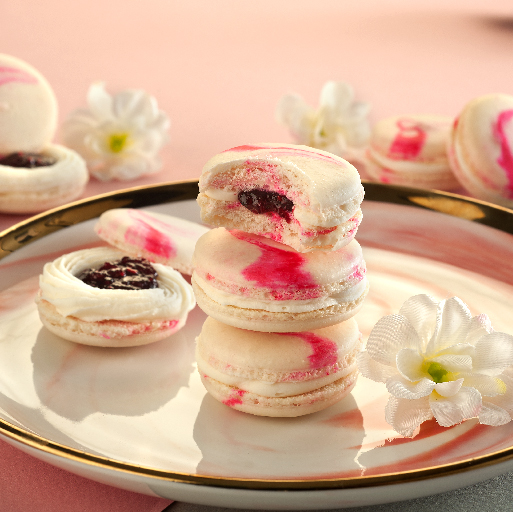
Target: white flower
{"points": [[439, 361], [339, 125], [118, 136]]}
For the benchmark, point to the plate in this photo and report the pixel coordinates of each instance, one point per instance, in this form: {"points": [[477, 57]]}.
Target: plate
{"points": [[140, 419]]}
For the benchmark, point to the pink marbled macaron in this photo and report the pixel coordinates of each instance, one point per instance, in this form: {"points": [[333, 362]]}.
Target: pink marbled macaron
{"points": [[157, 237], [481, 148], [251, 282], [411, 151], [273, 374]]}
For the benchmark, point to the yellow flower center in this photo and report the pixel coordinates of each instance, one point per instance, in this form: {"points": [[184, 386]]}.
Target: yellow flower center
{"points": [[118, 141], [437, 372], [502, 386]]}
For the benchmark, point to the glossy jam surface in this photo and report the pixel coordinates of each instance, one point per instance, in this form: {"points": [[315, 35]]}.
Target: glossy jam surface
{"points": [[124, 274], [265, 201], [27, 160]]}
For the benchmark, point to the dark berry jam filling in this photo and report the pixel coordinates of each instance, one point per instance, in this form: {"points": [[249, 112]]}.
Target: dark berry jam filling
{"points": [[124, 274], [27, 160], [265, 201]]}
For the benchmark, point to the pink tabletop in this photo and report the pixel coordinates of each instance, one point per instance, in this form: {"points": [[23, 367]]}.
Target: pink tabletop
{"points": [[218, 70]]}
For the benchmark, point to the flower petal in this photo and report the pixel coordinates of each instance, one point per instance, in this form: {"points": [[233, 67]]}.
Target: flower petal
{"points": [[161, 123], [453, 323], [503, 400], [135, 104], [462, 349], [421, 310], [337, 146], [452, 410], [148, 142], [297, 115], [449, 388], [336, 96], [454, 362], [323, 129], [358, 110], [494, 352], [487, 385], [405, 416], [409, 364], [493, 415], [99, 101], [372, 369], [390, 334], [479, 326], [337, 124], [403, 388]]}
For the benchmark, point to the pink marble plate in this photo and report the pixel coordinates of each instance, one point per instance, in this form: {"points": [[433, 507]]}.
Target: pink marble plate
{"points": [[139, 418]]}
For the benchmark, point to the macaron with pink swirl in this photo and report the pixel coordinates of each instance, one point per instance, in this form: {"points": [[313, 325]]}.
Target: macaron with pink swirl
{"points": [[278, 374], [251, 282], [158, 237], [481, 148], [411, 151]]}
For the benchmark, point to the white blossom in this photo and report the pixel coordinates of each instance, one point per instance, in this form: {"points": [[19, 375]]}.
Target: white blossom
{"points": [[340, 125], [438, 361], [118, 136]]}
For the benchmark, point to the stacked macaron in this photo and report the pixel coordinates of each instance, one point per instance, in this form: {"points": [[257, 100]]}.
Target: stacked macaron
{"points": [[281, 277], [34, 173]]}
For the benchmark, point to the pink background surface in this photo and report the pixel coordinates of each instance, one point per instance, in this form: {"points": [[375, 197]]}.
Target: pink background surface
{"points": [[219, 68]]}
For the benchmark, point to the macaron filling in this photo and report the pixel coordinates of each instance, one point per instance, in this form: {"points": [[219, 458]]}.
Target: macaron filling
{"points": [[225, 298], [27, 160], [265, 201], [274, 389], [60, 286], [122, 274]]}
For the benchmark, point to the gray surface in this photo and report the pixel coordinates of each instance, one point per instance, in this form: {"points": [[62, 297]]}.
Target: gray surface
{"points": [[494, 495]]}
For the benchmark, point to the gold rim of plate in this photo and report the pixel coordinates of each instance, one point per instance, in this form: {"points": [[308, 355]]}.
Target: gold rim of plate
{"points": [[53, 220]]}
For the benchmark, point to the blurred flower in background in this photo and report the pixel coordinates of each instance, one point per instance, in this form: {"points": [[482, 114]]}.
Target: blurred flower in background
{"points": [[340, 125], [118, 136]]}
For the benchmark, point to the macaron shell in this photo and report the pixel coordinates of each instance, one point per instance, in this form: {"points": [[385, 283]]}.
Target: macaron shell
{"points": [[274, 357], [157, 237], [105, 333], [28, 107], [481, 148], [247, 263], [326, 179], [418, 138], [36, 190]]}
